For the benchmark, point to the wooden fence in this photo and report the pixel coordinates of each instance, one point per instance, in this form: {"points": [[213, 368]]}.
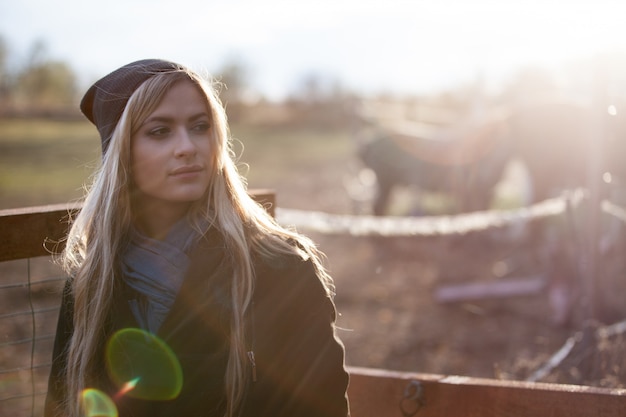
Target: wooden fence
{"points": [[372, 392]]}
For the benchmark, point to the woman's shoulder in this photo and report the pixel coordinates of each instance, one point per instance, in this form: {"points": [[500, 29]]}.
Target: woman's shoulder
{"points": [[282, 262], [278, 263], [288, 272]]}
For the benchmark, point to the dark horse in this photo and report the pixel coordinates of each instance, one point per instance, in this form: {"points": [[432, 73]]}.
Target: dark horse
{"points": [[463, 162], [554, 140]]}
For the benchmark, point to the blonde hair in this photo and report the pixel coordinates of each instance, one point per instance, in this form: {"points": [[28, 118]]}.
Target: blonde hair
{"points": [[101, 230]]}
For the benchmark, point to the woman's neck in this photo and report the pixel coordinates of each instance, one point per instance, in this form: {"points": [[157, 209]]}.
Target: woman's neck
{"points": [[156, 220]]}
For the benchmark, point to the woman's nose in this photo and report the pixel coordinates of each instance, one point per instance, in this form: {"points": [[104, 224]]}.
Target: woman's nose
{"points": [[184, 143]]}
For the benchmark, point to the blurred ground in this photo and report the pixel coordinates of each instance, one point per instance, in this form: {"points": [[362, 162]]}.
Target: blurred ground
{"points": [[391, 319]]}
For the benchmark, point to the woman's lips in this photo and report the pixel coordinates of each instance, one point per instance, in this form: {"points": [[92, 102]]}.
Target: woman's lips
{"points": [[187, 170]]}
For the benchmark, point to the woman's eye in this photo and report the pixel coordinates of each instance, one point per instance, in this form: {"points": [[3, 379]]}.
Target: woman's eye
{"points": [[158, 131], [201, 127]]}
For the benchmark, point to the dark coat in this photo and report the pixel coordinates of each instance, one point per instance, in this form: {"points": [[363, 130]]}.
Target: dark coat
{"points": [[299, 362]]}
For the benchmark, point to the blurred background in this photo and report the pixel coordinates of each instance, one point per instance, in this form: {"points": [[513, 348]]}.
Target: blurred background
{"points": [[367, 47], [418, 111]]}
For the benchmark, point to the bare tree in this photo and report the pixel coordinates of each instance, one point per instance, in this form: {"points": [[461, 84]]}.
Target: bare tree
{"points": [[45, 82], [4, 73]]}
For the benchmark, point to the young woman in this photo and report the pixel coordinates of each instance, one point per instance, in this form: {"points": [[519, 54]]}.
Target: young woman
{"points": [[174, 268]]}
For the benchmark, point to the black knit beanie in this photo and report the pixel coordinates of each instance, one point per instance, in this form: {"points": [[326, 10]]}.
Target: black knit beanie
{"points": [[104, 102]]}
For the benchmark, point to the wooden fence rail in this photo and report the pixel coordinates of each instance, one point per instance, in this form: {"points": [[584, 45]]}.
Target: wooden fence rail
{"points": [[384, 393], [32, 232]]}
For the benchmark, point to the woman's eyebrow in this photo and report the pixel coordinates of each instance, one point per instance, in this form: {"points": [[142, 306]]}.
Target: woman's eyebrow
{"points": [[169, 119], [200, 116]]}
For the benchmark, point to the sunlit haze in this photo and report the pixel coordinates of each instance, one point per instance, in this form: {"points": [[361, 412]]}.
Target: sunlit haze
{"points": [[366, 46]]}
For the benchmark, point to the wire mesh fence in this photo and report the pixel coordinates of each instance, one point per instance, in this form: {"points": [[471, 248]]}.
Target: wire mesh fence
{"points": [[30, 291]]}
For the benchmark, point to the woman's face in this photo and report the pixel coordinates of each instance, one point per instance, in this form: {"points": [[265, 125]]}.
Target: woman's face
{"points": [[171, 151]]}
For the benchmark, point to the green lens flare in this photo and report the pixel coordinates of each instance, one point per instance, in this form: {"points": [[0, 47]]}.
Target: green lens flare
{"points": [[97, 404], [143, 366]]}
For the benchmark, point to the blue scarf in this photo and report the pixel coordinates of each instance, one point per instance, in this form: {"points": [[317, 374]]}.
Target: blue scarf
{"points": [[156, 269]]}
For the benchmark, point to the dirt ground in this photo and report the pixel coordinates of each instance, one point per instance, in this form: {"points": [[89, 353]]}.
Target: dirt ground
{"points": [[390, 316]]}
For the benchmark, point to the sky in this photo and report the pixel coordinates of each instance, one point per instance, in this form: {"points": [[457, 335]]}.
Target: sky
{"points": [[368, 46]]}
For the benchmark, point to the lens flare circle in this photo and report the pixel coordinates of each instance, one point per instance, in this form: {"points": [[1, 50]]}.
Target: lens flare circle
{"points": [[144, 361], [96, 403]]}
